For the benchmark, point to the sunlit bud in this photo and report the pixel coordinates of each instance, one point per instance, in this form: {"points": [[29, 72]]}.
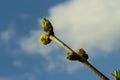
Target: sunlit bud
{"points": [[72, 56], [82, 53], [44, 39], [46, 25]]}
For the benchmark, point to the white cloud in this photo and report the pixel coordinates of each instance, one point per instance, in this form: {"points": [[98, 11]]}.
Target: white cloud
{"points": [[91, 24], [24, 76], [67, 66], [7, 35], [18, 63], [24, 16]]}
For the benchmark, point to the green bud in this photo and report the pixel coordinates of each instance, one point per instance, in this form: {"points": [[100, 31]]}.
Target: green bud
{"points": [[46, 25], [44, 39], [82, 53], [71, 56]]}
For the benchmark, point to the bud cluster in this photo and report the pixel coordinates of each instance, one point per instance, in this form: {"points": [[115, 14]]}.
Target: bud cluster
{"points": [[48, 29], [80, 55]]}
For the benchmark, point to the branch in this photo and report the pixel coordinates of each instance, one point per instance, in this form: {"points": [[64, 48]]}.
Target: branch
{"points": [[91, 67], [49, 36]]}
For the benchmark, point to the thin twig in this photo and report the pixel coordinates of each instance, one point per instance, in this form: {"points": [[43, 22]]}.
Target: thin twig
{"points": [[91, 67], [54, 38]]}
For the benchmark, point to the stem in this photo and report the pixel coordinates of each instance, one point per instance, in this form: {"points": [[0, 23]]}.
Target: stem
{"points": [[91, 67], [54, 38]]}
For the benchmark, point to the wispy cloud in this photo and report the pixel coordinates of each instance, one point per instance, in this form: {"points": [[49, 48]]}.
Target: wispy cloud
{"points": [[25, 76], [24, 16], [7, 35], [58, 62], [18, 63]]}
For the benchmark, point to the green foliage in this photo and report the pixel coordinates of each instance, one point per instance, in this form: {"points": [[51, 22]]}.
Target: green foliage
{"points": [[116, 75]]}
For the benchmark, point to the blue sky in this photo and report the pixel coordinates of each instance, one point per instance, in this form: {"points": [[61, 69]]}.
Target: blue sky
{"points": [[90, 24]]}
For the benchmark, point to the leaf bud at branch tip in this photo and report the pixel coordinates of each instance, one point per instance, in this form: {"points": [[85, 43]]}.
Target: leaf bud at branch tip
{"points": [[44, 39], [46, 25]]}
